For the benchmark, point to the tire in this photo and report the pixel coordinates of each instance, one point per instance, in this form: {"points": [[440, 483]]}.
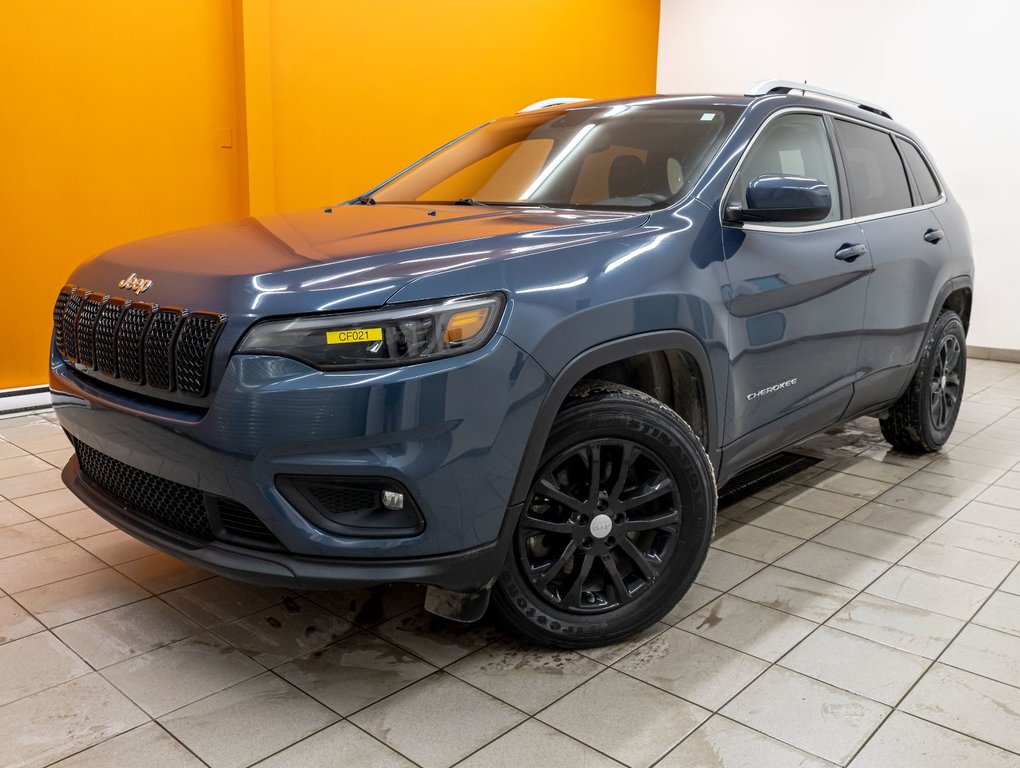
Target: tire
{"points": [[593, 563], [922, 420]]}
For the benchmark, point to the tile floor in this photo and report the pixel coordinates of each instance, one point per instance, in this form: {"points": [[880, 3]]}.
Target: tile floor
{"points": [[864, 613]]}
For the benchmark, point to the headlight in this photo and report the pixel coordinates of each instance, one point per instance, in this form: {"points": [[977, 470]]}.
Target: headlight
{"points": [[397, 335]]}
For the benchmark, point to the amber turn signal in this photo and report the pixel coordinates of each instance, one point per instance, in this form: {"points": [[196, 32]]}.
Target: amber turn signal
{"points": [[465, 325]]}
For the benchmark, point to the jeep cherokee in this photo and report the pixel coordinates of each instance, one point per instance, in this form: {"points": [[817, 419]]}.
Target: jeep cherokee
{"points": [[521, 366]]}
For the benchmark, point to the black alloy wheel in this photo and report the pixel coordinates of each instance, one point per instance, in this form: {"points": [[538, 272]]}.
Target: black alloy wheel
{"points": [[615, 526], [923, 418], [946, 383], [599, 526]]}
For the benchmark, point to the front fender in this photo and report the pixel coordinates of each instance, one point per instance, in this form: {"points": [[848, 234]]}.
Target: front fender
{"points": [[601, 355]]}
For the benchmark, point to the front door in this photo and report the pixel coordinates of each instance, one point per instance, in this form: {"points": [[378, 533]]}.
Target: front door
{"points": [[796, 296]]}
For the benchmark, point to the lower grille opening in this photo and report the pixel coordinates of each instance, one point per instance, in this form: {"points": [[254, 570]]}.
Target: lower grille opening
{"points": [[172, 505], [239, 522]]}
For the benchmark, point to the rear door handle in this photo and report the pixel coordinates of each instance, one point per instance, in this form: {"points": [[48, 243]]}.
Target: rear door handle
{"points": [[849, 252], [934, 235]]}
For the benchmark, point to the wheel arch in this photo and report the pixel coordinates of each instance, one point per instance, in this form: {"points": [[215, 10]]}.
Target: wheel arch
{"points": [[956, 294], [602, 358]]}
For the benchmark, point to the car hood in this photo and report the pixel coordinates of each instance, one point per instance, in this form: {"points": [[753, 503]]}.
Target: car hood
{"points": [[347, 257]]}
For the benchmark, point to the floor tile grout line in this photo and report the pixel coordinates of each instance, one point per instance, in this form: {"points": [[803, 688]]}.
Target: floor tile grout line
{"points": [[748, 727], [163, 728], [262, 760], [967, 623], [933, 661], [860, 592], [206, 630], [530, 717], [766, 564], [91, 670], [155, 718], [936, 575], [990, 527], [104, 565], [150, 721], [771, 664]]}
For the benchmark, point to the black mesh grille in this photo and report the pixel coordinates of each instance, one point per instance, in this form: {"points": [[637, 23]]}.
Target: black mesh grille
{"points": [[129, 341], [339, 499], [193, 347], [69, 320], [239, 521], [85, 328], [174, 505], [166, 348], [58, 317], [159, 345], [106, 336]]}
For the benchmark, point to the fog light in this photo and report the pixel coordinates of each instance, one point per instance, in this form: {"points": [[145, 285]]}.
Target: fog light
{"points": [[353, 506], [393, 500]]}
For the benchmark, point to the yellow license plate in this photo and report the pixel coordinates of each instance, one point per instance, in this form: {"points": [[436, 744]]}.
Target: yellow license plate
{"points": [[354, 336]]}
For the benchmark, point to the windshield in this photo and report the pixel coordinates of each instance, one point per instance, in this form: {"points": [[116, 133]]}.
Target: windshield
{"points": [[623, 156]]}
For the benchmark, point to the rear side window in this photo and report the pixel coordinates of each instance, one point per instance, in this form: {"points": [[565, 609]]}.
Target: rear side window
{"points": [[927, 187], [878, 182]]}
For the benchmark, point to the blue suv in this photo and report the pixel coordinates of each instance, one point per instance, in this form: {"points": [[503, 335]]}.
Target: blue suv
{"points": [[521, 367]]}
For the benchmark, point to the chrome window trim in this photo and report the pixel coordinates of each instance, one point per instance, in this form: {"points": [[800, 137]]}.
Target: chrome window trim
{"points": [[751, 227]]}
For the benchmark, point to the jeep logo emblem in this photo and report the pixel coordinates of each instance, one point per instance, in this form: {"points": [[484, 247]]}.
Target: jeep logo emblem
{"points": [[135, 283], [600, 526]]}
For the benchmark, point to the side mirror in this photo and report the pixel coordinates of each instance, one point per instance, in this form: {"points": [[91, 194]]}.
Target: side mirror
{"points": [[783, 198]]}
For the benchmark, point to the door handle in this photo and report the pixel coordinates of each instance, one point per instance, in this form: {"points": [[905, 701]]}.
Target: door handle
{"points": [[934, 235], [849, 252]]}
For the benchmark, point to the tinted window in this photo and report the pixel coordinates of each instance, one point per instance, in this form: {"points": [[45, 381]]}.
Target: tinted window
{"points": [[923, 177], [878, 182], [622, 156], [791, 145]]}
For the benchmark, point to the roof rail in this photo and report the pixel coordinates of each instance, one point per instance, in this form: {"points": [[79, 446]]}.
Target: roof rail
{"points": [[555, 101], [766, 87]]}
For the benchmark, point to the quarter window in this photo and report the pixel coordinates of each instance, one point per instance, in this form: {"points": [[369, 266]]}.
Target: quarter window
{"points": [[791, 145], [921, 171], [878, 182]]}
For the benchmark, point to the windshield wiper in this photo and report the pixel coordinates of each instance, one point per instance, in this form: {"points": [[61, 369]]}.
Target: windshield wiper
{"points": [[499, 203], [362, 200], [520, 204]]}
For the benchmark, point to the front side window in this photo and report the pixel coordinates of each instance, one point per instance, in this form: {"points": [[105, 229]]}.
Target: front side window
{"points": [[791, 145], [616, 157], [877, 180]]}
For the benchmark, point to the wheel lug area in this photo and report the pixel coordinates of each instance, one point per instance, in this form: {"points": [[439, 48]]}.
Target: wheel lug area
{"points": [[586, 543], [611, 541], [618, 518]]}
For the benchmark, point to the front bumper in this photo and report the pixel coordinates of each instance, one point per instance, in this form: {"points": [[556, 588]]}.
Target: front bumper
{"points": [[459, 571], [452, 432]]}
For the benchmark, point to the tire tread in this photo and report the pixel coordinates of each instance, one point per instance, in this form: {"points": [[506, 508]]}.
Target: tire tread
{"points": [[903, 425]]}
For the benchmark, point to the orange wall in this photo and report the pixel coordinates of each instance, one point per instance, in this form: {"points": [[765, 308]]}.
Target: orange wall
{"points": [[113, 113], [111, 120], [360, 90]]}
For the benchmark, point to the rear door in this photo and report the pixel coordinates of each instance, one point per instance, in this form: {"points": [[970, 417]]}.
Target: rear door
{"points": [[892, 194], [795, 306]]}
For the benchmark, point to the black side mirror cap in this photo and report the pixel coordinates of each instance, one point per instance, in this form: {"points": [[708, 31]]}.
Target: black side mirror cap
{"points": [[773, 197]]}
